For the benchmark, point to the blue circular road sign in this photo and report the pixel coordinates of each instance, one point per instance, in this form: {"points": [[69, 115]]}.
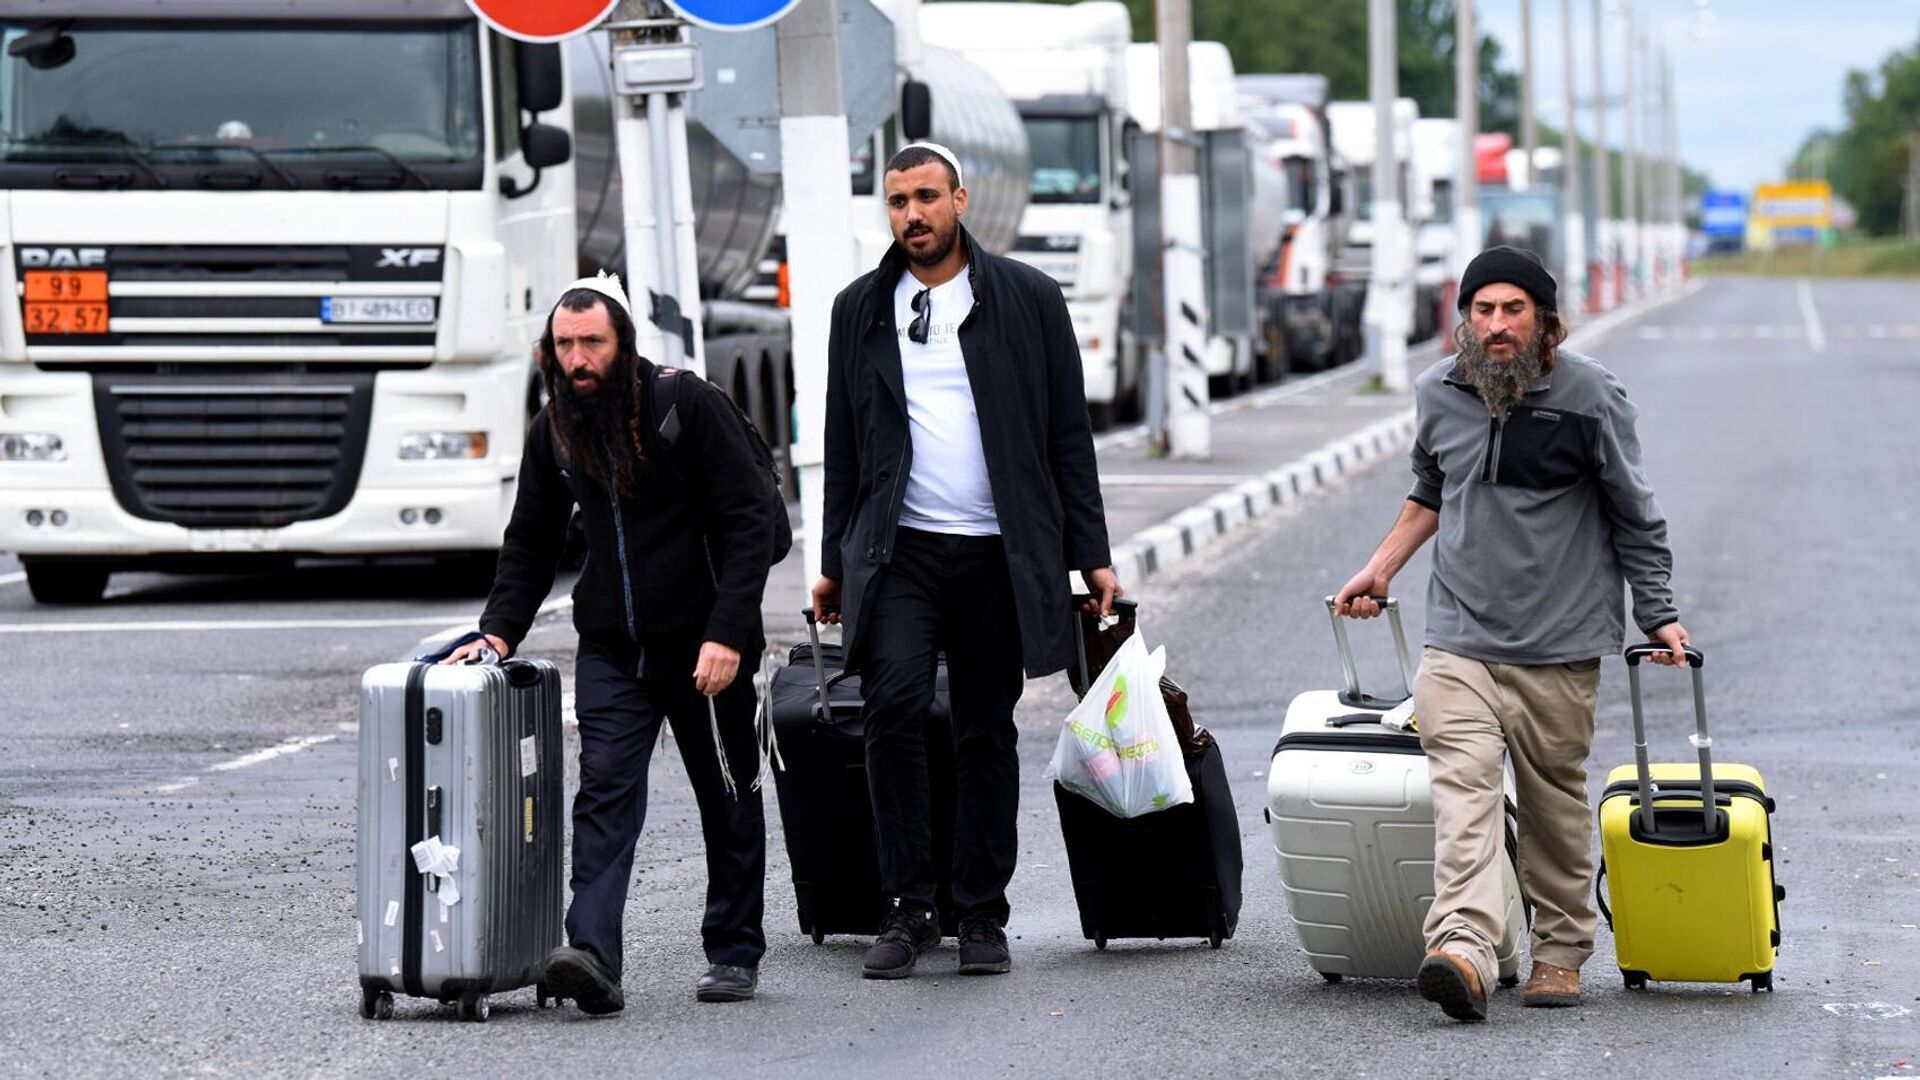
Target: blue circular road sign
{"points": [[732, 14]]}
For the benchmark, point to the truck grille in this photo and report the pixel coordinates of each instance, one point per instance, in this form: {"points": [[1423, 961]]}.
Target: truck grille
{"points": [[210, 452]]}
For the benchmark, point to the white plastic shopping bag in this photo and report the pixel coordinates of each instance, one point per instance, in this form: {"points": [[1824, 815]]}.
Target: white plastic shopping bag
{"points": [[1118, 746]]}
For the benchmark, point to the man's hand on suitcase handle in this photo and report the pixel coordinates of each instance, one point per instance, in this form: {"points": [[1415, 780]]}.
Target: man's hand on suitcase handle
{"points": [[716, 669], [1356, 598], [826, 600], [1104, 584], [464, 652], [1674, 637]]}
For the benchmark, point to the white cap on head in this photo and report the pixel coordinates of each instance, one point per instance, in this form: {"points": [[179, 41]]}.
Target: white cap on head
{"points": [[607, 285], [959, 178]]}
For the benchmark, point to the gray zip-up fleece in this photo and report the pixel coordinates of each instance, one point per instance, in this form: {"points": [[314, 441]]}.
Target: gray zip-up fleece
{"points": [[1541, 518]]}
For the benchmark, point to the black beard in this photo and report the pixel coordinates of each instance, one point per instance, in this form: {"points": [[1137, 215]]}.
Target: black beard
{"points": [[935, 255], [1502, 384], [597, 425]]}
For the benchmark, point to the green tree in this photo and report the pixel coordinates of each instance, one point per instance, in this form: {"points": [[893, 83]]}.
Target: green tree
{"points": [[1868, 161]]}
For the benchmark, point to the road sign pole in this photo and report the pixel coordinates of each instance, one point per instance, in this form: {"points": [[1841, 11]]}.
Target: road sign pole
{"points": [[819, 218]]}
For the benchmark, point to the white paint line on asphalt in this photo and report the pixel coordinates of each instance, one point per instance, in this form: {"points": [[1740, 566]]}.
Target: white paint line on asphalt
{"points": [[16, 576], [1815, 336], [292, 746], [1866, 1010], [191, 625]]}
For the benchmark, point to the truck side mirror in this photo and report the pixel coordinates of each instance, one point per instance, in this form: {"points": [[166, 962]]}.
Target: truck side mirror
{"points": [[916, 111], [1337, 202], [540, 76], [542, 146]]}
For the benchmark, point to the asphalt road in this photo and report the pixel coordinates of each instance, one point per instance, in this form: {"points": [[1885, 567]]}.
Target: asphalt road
{"points": [[161, 914]]}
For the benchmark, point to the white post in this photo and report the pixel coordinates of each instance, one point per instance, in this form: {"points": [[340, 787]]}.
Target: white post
{"points": [[820, 248], [1573, 281], [1604, 293], [1388, 300], [1630, 167], [1183, 258], [650, 132], [1466, 91], [1529, 117]]}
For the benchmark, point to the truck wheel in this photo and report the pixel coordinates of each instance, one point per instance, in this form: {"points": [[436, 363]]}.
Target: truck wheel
{"points": [[58, 584]]}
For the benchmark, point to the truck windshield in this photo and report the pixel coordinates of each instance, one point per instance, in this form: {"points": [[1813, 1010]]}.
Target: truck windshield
{"points": [[1302, 193], [1066, 158], [193, 104]]}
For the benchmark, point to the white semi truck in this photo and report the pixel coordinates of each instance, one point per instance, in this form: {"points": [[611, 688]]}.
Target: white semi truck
{"points": [[1353, 138], [279, 275], [276, 275], [1310, 309], [1064, 66]]}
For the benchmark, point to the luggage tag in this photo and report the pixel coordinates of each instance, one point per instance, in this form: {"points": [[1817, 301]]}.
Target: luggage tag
{"points": [[1400, 717]]}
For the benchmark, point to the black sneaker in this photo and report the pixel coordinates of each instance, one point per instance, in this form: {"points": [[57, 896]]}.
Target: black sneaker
{"points": [[575, 975], [727, 982], [983, 947], [904, 935]]}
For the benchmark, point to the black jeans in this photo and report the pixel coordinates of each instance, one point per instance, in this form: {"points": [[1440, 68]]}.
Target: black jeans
{"points": [[621, 696], [948, 594]]}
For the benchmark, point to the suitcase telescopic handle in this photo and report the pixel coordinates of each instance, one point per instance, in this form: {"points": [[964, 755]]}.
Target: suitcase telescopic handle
{"points": [[819, 666], [1347, 666], [1702, 742]]}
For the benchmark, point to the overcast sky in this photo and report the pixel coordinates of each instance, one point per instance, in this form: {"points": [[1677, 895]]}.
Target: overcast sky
{"points": [[1750, 87]]}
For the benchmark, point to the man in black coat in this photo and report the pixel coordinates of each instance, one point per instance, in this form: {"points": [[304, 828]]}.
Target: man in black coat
{"points": [[680, 532], [960, 489]]}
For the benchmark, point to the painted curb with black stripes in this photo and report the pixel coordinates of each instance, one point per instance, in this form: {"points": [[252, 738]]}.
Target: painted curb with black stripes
{"points": [[1157, 547]]}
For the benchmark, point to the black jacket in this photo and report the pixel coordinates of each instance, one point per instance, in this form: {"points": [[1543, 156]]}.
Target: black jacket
{"points": [[686, 554], [1024, 366]]}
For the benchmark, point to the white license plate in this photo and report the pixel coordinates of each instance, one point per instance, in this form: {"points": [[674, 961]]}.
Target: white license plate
{"points": [[223, 541], [376, 309]]}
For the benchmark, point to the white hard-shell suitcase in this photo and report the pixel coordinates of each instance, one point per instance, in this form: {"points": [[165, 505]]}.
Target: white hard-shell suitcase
{"points": [[1352, 820], [470, 756]]}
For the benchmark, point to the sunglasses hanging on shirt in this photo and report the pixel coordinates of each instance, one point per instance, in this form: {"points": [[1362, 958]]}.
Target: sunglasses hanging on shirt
{"points": [[922, 305]]}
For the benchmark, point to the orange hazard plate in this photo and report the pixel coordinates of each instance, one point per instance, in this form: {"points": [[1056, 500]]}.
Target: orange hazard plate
{"points": [[66, 318], [67, 286]]}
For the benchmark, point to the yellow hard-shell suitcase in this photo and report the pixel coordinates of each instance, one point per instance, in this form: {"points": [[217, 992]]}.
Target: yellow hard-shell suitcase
{"points": [[1692, 886]]}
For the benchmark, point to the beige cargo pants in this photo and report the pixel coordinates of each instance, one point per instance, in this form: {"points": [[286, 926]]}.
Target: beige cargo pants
{"points": [[1472, 715]]}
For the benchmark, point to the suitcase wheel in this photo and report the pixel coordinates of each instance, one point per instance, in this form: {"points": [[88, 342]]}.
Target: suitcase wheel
{"points": [[1635, 980], [1214, 939], [1762, 981], [1510, 981], [376, 1005], [540, 996], [1100, 942], [819, 937], [475, 1008], [1331, 977]]}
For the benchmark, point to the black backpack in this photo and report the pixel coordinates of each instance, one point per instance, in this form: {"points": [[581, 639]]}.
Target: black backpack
{"points": [[668, 430]]}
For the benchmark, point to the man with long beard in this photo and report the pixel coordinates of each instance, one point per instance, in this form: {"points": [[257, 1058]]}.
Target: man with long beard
{"points": [[679, 538], [1527, 466]]}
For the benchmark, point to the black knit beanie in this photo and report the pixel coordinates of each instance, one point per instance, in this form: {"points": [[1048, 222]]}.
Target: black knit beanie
{"points": [[1516, 266]]}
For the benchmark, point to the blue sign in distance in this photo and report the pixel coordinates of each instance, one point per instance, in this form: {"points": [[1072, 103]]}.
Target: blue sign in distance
{"points": [[1723, 213], [732, 14]]}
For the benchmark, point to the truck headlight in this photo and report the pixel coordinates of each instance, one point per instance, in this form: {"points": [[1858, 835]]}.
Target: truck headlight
{"points": [[31, 446], [442, 445]]}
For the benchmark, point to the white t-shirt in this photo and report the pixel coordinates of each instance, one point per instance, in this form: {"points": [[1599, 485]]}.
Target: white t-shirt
{"points": [[948, 490]]}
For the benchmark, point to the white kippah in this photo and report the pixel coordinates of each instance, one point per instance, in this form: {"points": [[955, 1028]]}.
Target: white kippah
{"points": [[959, 178], [607, 285]]}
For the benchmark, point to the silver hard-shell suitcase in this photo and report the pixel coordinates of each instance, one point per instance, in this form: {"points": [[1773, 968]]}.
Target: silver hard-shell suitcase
{"points": [[469, 755], [1352, 818]]}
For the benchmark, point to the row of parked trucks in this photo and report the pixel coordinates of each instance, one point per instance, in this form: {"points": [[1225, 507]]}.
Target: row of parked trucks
{"points": [[279, 273]]}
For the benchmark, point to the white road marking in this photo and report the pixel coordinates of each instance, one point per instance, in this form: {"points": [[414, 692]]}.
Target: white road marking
{"points": [[191, 625], [168, 789], [9, 579], [1815, 336], [292, 746], [1653, 333], [1867, 1010]]}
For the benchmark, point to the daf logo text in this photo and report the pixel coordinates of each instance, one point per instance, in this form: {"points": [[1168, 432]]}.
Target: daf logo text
{"points": [[34, 258]]}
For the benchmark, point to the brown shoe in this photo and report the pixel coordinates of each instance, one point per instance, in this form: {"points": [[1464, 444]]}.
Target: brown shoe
{"points": [[1454, 985], [1551, 987]]}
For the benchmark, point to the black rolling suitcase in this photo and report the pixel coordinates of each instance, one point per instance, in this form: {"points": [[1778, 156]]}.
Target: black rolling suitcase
{"points": [[1173, 873], [825, 806]]}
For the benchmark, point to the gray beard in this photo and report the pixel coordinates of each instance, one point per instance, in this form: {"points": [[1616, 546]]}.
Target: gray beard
{"points": [[1501, 384]]}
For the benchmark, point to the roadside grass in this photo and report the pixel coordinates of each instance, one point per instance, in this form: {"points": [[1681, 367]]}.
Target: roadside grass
{"points": [[1898, 258]]}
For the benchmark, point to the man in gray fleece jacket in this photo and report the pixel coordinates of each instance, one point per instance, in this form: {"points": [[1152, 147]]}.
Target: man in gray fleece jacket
{"points": [[1527, 467]]}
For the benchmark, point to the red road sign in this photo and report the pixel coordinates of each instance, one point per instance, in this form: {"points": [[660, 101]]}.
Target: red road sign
{"points": [[541, 20]]}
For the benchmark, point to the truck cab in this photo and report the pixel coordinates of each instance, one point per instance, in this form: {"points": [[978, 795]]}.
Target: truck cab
{"points": [[1064, 67], [279, 276], [1435, 167]]}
